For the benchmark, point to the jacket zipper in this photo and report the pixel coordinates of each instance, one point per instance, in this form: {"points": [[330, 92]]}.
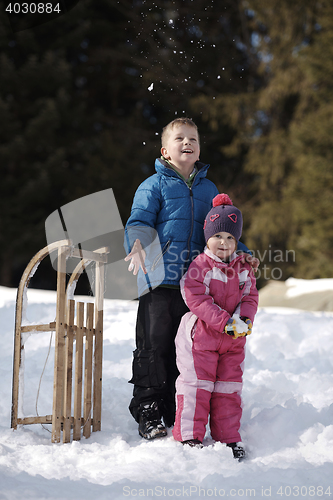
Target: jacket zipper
{"points": [[159, 257], [192, 224]]}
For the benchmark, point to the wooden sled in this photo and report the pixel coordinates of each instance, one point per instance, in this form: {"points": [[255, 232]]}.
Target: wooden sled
{"points": [[74, 340]]}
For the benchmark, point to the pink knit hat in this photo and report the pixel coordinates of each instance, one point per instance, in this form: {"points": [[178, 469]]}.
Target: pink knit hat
{"points": [[223, 217]]}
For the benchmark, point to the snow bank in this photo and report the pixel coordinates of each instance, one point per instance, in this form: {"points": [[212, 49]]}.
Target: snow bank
{"points": [[296, 287], [308, 295]]}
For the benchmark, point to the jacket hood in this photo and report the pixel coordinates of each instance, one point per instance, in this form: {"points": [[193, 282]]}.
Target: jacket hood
{"points": [[162, 167]]}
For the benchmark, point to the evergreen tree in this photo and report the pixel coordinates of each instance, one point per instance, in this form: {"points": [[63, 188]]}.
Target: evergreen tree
{"points": [[282, 137], [291, 157], [80, 113]]}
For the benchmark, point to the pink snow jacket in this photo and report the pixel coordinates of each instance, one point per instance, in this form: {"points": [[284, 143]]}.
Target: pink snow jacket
{"points": [[214, 290]]}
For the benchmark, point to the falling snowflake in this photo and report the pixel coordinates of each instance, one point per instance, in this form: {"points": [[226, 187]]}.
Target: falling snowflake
{"points": [[151, 87]]}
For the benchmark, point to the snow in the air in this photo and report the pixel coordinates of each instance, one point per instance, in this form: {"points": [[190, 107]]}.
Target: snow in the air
{"points": [[287, 424]]}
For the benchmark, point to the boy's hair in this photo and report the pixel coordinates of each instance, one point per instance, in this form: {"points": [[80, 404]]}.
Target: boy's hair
{"points": [[176, 123]]}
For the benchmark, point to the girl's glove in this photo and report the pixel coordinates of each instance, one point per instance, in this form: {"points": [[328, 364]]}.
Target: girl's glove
{"points": [[238, 327], [249, 325]]}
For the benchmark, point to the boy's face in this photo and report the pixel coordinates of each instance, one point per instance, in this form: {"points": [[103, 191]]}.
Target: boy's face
{"points": [[182, 147], [222, 245]]}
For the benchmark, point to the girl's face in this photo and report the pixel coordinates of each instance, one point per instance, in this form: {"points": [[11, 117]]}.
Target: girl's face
{"points": [[222, 245]]}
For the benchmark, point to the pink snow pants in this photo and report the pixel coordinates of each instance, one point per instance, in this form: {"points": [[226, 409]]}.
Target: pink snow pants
{"points": [[210, 383]]}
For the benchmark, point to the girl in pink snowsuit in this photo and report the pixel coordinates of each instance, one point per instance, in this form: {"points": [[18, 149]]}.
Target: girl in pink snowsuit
{"points": [[220, 291]]}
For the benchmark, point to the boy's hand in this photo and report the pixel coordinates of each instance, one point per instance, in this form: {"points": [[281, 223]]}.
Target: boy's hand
{"points": [[253, 261], [137, 257]]}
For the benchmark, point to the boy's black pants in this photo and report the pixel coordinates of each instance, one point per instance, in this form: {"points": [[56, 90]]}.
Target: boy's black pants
{"points": [[154, 361]]}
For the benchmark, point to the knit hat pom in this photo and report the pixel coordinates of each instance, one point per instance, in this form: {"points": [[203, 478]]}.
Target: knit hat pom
{"points": [[221, 199]]}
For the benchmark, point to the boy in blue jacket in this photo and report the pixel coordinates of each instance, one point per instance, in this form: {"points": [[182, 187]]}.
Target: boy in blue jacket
{"points": [[174, 202]]}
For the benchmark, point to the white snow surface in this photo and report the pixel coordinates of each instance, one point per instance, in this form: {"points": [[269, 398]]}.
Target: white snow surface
{"points": [[296, 287], [287, 424]]}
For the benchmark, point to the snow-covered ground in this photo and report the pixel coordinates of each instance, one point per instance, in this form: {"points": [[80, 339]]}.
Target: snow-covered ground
{"points": [[297, 287], [287, 423]]}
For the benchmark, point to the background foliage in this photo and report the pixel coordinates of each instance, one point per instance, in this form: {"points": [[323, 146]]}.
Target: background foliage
{"points": [[77, 116]]}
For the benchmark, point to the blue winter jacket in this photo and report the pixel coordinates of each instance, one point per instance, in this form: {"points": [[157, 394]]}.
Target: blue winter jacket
{"points": [[164, 203]]}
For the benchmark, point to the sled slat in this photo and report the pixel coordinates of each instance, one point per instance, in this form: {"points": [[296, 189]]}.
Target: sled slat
{"points": [[78, 372], [58, 381], [88, 371], [50, 327], [87, 255], [68, 373], [98, 354], [47, 419]]}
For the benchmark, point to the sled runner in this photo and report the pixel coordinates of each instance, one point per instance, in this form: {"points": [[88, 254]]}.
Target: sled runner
{"points": [[77, 396]]}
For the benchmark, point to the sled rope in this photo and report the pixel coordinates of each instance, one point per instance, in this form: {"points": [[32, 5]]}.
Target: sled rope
{"points": [[40, 382]]}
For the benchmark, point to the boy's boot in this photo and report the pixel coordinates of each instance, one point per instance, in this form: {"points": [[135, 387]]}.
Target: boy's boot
{"points": [[150, 425], [237, 450]]}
